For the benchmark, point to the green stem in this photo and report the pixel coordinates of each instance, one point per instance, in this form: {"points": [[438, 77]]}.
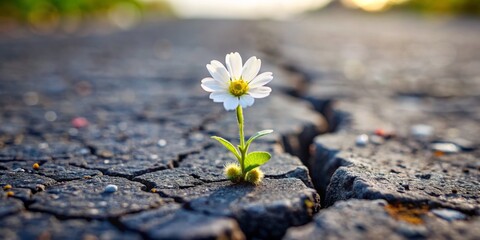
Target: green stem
{"points": [[242, 137]]}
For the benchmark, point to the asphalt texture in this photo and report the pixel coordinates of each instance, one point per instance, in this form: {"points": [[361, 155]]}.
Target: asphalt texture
{"points": [[376, 131]]}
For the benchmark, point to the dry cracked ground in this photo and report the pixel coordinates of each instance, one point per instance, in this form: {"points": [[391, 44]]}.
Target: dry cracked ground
{"points": [[375, 118]]}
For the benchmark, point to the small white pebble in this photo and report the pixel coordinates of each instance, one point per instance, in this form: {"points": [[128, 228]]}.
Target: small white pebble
{"points": [[197, 137], [162, 143], [449, 214], [445, 147], [50, 116], [111, 188], [43, 145], [421, 131], [19, 170], [361, 140]]}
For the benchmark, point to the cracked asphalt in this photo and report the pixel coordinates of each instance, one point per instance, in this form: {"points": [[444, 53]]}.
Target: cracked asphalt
{"points": [[126, 109]]}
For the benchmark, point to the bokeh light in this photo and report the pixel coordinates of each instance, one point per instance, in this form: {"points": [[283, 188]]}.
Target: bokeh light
{"points": [[244, 8], [88, 16], [371, 5]]}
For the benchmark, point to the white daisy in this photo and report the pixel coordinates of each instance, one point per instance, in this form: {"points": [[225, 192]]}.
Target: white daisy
{"points": [[239, 85]]}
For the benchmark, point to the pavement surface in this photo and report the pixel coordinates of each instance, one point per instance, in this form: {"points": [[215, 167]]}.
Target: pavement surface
{"points": [[375, 118]]}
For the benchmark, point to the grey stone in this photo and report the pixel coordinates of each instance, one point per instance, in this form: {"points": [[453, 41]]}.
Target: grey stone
{"points": [[111, 188], [57, 171], [172, 222], [422, 131], [445, 147], [9, 206], [41, 151], [66, 172], [23, 194], [86, 198], [398, 170], [361, 219], [24, 180], [150, 91], [43, 226], [264, 211], [169, 179], [449, 214], [361, 140]]}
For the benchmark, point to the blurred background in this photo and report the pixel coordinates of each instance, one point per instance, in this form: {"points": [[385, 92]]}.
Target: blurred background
{"points": [[87, 16], [123, 57]]}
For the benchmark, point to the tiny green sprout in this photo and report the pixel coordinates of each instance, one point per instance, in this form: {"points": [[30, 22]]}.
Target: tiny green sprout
{"points": [[237, 88]]}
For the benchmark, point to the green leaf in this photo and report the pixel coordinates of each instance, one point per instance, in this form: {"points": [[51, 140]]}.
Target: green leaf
{"points": [[256, 159], [257, 135], [228, 145]]}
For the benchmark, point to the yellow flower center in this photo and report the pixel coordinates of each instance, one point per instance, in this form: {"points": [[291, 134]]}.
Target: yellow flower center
{"points": [[238, 87]]}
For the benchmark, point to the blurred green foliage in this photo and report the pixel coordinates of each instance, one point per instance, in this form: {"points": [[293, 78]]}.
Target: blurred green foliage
{"points": [[453, 7], [25, 9], [47, 16]]}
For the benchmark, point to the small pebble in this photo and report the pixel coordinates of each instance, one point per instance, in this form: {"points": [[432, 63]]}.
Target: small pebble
{"points": [[162, 142], [73, 131], [377, 140], [422, 131], [449, 214], [30, 98], [84, 151], [380, 132], [362, 140], [43, 145], [40, 187], [10, 194], [79, 122], [7, 187], [19, 170], [50, 116], [197, 137], [111, 188], [444, 147], [36, 166], [106, 154], [153, 190]]}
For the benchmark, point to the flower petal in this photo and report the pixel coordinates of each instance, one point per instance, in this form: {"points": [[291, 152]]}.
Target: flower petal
{"points": [[211, 85], [218, 72], [219, 96], [259, 92], [251, 68], [234, 65], [230, 103], [261, 80], [246, 101]]}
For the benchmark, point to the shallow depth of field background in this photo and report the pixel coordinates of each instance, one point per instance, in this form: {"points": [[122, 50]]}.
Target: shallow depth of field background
{"points": [[85, 17]]}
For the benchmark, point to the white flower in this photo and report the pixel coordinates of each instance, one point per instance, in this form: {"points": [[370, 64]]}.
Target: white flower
{"points": [[239, 85]]}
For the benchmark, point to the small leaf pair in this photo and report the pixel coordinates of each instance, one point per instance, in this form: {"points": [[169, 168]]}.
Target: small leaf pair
{"points": [[248, 163]]}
